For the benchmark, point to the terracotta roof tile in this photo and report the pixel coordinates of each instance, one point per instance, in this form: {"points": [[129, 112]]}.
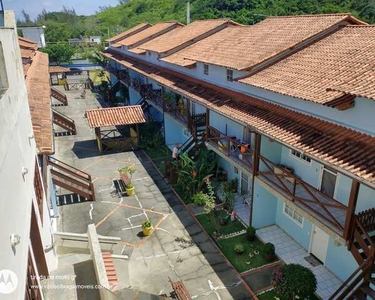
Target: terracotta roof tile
{"points": [[58, 69], [128, 33], [38, 89], [183, 35], [149, 33], [258, 43], [114, 116], [336, 145], [27, 44], [344, 60], [27, 53]]}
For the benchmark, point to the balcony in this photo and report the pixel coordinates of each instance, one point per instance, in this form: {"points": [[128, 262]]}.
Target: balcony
{"points": [[177, 111], [282, 180], [322, 207], [124, 77], [231, 147]]}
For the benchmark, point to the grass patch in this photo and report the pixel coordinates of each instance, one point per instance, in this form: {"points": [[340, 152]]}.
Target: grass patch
{"points": [[272, 294], [159, 152], [239, 261], [230, 227]]}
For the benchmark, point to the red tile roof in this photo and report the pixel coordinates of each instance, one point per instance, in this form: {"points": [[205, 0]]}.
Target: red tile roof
{"points": [[184, 35], [344, 61], [148, 33], [244, 47], [58, 69], [129, 32], [336, 145], [38, 89], [114, 116]]}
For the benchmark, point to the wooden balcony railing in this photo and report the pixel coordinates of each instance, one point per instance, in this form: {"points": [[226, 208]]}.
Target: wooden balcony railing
{"points": [[367, 219], [230, 146], [296, 190], [199, 119], [136, 84], [124, 76], [179, 112]]}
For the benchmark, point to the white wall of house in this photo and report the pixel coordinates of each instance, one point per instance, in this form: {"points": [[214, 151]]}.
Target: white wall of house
{"points": [[35, 34], [17, 155]]}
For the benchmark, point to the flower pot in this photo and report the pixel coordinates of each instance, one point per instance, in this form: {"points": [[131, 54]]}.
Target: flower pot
{"points": [[269, 257], [130, 191], [147, 231]]}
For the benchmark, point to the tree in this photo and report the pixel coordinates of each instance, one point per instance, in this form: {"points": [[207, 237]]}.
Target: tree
{"points": [[58, 53], [57, 32]]}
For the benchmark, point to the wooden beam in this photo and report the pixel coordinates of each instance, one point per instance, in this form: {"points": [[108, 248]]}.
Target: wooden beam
{"points": [[352, 204], [256, 154], [99, 139]]}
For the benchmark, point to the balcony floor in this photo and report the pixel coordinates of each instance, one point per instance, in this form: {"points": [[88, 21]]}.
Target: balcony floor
{"points": [[292, 253]]}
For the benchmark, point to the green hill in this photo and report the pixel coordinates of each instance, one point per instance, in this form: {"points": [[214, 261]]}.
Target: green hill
{"points": [[243, 11], [65, 24]]}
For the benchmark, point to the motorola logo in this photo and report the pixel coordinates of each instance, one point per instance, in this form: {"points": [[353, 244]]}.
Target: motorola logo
{"points": [[8, 281]]}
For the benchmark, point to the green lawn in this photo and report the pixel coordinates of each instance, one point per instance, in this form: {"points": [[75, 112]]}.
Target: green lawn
{"points": [[159, 153], [240, 261], [230, 227], [272, 294]]}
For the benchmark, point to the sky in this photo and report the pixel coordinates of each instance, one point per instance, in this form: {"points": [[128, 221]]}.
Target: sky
{"points": [[82, 7]]}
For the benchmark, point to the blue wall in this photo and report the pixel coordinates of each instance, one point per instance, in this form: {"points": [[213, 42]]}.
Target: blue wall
{"points": [[301, 235], [264, 207], [366, 198], [227, 166], [225, 125], [271, 151], [134, 97], [174, 131], [339, 260]]}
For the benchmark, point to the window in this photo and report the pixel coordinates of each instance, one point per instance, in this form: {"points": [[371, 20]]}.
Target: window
{"points": [[229, 75], [300, 155], [292, 214], [205, 69]]}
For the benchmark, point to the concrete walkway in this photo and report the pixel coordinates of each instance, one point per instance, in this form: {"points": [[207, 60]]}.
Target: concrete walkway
{"points": [[177, 249], [292, 253]]}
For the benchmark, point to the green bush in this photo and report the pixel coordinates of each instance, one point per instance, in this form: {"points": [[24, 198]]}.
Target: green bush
{"points": [[239, 248], [269, 249], [294, 280], [200, 198], [250, 233]]}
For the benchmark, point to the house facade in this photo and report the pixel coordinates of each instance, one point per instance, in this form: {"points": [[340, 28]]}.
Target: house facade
{"points": [[286, 104]]}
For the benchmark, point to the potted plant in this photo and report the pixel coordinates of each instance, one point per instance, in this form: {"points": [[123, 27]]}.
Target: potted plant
{"points": [[147, 227], [250, 233], [239, 248], [269, 252], [129, 186]]}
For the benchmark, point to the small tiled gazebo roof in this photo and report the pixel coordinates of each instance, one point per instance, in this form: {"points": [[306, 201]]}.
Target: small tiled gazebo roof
{"points": [[115, 116], [58, 69]]}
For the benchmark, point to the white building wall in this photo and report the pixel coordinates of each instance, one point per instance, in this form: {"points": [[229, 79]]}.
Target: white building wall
{"points": [[17, 155], [35, 34]]}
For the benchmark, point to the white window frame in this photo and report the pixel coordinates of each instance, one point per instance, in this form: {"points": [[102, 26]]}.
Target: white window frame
{"points": [[230, 75], [301, 157], [293, 215], [206, 69]]}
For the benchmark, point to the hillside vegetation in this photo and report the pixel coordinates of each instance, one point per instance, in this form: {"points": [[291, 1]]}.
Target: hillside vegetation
{"points": [[61, 25]]}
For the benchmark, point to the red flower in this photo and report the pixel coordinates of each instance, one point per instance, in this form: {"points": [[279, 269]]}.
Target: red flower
{"points": [[207, 181], [193, 173]]}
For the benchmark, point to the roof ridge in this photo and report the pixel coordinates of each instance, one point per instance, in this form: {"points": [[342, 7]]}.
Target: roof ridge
{"points": [[312, 15]]}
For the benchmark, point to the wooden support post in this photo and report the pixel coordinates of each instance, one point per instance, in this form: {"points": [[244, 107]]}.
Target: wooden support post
{"points": [[189, 120], [99, 139], [207, 123], [351, 209], [138, 135], [256, 154]]}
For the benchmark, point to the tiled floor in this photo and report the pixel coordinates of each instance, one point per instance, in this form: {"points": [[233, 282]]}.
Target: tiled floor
{"points": [[291, 252], [242, 210]]}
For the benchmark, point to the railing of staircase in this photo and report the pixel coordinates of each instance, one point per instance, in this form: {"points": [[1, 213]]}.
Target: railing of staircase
{"points": [[367, 219], [350, 285], [199, 119]]}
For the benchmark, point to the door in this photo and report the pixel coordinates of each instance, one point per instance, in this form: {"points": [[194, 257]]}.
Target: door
{"points": [[328, 184], [319, 244], [245, 188]]}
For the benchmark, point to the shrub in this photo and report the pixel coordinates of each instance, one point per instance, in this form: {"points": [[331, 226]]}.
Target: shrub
{"points": [[294, 280], [250, 233], [239, 248], [200, 198], [269, 249]]}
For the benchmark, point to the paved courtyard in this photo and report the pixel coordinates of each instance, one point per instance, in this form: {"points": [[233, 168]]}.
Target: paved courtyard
{"points": [[177, 249]]}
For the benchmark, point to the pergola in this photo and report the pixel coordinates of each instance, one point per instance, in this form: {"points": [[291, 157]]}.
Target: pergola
{"points": [[116, 118], [56, 70]]}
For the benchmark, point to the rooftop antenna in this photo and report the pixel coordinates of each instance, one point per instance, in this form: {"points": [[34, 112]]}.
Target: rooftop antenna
{"points": [[188, 13]]}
